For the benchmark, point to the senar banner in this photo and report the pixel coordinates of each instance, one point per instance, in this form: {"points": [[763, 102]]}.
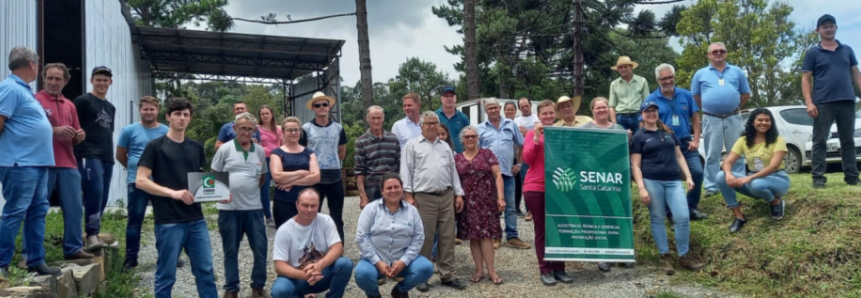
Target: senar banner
{"points": [[588, 195]]}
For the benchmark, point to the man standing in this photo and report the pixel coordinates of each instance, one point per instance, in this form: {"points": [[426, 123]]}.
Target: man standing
{"points": [[525, 122], [720, 89], [25, 140], [329, 141], [408, 128], [163, 173], [131, 144], [567, 109], [67, 133], [627, 94], [431, 183], [95, 155], [377, 153], [833, 67], [677, 109], [452, 118], [244, 161], [226, 133], [501, 136]]}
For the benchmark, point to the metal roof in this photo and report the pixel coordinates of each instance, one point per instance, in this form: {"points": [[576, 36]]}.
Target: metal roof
{"points": [[193, 54]]}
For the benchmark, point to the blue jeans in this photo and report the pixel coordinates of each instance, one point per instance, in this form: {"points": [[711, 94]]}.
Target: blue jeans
{"points": [[264, 193], [669, 194], [137, 202], [232, 224], [335, 279], [367, 276], [170, 239], [719, 134], [26, 192], [96, 184], [692, 158], [767, 188], [69, 182], [630, 122], [510, 217]]}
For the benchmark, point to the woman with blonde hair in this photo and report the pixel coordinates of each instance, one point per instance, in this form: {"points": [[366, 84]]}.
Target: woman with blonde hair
{"points": [[294, 168]]}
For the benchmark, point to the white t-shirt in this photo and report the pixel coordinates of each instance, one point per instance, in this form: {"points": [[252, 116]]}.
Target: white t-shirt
{"points": [[300, 245], [527, 122], [244, 171]]}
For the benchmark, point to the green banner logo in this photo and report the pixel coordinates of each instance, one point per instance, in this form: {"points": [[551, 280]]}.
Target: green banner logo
{"points": [[564, 179]]}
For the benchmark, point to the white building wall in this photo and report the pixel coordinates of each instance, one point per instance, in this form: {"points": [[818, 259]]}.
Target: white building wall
{"points": [[109, 43], [18, 23]]}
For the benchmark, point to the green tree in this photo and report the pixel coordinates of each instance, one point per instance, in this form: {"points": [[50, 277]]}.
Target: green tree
{"points": [[420, 77], [178, 13]]}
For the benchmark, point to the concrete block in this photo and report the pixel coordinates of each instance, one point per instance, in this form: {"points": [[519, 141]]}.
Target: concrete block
{"points": [[86, 278], [45, 281], [66, 287]]}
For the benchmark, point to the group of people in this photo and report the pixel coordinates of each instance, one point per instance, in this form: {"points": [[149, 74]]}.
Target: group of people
{"points": [[432, 176]]}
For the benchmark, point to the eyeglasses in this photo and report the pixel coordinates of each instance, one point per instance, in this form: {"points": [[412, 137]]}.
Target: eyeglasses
{"points": [[292, 130], [470, 137], [246, 129], [431, 123], [322, 104], [716, 52], [666, 78]]}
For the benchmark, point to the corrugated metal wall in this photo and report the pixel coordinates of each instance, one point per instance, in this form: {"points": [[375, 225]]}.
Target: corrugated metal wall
{"points": [[18, 23], [109, 43], [312, 83]]}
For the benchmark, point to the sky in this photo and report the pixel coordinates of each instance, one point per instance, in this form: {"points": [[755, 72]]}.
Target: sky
{"points": [[401, 29]]}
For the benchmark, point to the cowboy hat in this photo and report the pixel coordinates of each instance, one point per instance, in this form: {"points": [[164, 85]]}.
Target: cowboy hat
{"points": [[623, 60], [318, 96], [576, 101]]}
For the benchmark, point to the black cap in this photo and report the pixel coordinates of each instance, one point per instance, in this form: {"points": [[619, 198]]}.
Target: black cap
{"points": [[825, 19], [102, 70], [447, 89]]}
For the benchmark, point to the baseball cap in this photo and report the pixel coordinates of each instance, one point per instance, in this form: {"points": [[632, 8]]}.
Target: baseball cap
{"points": [[824, 19], [647, 105], [447, 89], [102, 70]]}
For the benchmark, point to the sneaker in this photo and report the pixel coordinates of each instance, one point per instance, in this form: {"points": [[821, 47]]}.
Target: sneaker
{"points": [[43, 269], [819, 183], [689, 263], [736, 225], [710, 193], [180, 262], [852, 181], [517, 243], [270, 222], [697, 215], [778, 210], [604, 267], [130, 264]]}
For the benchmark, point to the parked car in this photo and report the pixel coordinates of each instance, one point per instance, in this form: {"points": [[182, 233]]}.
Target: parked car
{"points": [[832, 146], [794, 125]]}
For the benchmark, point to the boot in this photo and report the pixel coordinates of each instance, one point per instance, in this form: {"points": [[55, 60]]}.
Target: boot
{"points": [[94, 243], [258, 293], [229, 294], [689, 263], [667, 264]]}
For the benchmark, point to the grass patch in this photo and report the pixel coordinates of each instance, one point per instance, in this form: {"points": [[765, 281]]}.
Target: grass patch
{"points": [[814, 251], [667, 294]]}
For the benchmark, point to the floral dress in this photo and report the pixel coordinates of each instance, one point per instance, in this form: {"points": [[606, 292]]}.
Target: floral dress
{"points": [[480, 216]]}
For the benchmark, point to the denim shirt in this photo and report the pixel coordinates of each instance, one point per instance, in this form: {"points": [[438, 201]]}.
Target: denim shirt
{"points": [[388, 236], [501, 142]]}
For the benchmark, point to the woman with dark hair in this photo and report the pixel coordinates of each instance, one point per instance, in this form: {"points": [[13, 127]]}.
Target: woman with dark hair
{"points": [[763, 149], [444, 134], [270, 139]]}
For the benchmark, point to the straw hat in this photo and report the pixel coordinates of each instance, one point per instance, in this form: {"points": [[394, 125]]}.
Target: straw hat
{"points": [[318, 96], [576, 101], [623, 60]]}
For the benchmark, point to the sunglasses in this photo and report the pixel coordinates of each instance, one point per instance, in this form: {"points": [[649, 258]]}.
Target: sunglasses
{"points": [[716, 52], [470, 137], [322, 104]]}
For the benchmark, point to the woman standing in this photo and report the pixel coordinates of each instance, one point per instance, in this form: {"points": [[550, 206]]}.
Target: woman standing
{"points": [[511, 113], [481, 179], [763, 150], [533, 192], [657, 163], [294, 168], [270, 139]]}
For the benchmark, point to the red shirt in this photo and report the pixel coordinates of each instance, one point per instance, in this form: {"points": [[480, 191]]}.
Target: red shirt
{"points": [[61, 112], [533, 155]]}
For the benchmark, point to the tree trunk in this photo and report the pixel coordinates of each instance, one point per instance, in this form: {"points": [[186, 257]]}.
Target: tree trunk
{"points": [[364, 56], [577, 49], [473, 88]]}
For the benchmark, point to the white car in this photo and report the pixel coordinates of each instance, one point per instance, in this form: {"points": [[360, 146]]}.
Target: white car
{"points": [[794, 125], [832, 146]]}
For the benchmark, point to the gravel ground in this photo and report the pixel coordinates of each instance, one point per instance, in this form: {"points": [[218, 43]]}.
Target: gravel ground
{"points": [[517, 267]]}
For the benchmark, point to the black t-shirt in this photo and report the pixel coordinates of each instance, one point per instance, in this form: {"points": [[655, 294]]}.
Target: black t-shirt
{"points": [[658, 150], [97, 120], [170, 163]]}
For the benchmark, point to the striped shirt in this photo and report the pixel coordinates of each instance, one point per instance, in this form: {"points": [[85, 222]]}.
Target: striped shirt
{"points": [[376, 157]]}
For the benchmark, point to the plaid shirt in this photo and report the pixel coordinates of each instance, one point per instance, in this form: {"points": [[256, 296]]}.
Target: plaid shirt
{"points": [[376, 157]]}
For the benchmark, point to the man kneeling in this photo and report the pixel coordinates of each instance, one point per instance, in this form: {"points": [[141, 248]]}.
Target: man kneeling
{"points": [[308, 253], [390, 235]]}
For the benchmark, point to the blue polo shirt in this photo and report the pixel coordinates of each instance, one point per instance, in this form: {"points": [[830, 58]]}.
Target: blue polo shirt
{"points": [[832, 72], [455, 125], [717, 99], [681, 104], [501, 142], [27, 137]]}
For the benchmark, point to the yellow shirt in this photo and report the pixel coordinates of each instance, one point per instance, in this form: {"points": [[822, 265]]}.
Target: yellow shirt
{"points": [[759, 151], [578, 121]]}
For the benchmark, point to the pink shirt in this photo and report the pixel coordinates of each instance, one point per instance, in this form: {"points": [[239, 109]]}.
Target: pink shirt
{"points": [[61, 112], [269, 140], [533, 155]]}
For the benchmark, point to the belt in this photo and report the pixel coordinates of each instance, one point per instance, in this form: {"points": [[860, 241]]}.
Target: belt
{"points": [[436, 193], [627, 114], [734, 112]]}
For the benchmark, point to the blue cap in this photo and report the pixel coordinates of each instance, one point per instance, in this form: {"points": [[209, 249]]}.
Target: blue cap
{"points": [[102, 70], [648, 104], [447, 89]]}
